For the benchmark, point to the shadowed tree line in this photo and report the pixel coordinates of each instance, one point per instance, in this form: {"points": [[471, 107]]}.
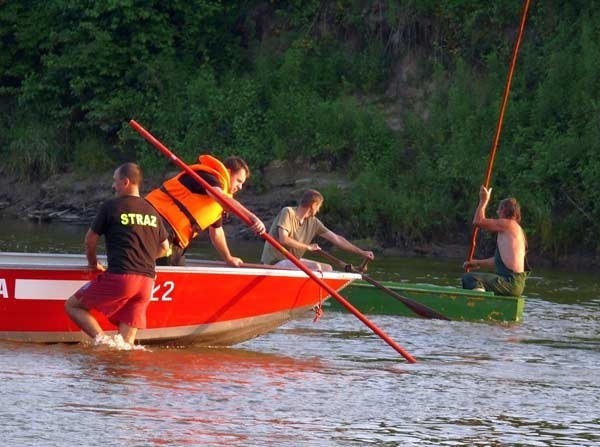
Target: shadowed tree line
{"points": [[401, 96]]}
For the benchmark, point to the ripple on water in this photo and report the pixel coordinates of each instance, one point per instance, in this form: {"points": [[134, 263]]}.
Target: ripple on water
{"points": [[328, 383]]}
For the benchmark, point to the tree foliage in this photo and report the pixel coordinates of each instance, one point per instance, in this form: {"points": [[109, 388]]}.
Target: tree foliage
{"points": [[316, 81]]}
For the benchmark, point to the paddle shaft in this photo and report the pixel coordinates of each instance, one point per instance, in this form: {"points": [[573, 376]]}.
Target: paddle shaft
{"points": [[416, 307], [494, 149], [225, 202]]}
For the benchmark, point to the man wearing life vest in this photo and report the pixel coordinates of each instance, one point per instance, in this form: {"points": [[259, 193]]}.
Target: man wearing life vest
{"points": [[187, 208]]}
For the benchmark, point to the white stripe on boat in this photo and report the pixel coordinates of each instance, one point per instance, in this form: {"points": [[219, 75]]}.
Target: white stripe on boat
{"points": [[45, 289]]}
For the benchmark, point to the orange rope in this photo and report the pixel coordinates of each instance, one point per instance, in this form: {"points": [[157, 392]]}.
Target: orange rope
{"points": [[488, 174]]}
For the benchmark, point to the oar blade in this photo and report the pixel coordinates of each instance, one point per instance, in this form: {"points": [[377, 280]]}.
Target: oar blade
{"points": [[415, 306]]}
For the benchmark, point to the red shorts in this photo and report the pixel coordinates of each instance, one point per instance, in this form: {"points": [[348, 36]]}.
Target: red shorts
{"points": [[122, 298]]}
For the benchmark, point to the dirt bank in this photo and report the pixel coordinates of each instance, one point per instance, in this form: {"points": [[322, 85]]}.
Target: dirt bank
{"points": [[75, 198]]}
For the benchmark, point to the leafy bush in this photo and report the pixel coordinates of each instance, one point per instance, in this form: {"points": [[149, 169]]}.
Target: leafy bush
{"points": [[31, 153], [303, 80]]}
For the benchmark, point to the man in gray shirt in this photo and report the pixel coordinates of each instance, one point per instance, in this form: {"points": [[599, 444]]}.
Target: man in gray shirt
{"points": [[295, 229]]}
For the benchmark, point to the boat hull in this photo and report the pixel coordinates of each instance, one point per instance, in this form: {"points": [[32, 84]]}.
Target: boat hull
{"points": [[205, 304], [452, 302]]}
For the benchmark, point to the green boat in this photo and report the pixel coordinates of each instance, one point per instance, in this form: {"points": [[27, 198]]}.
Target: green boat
{"points": [[452, 302]]}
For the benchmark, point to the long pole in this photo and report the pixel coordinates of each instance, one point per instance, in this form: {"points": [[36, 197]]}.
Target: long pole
{"points": [[511, 70], [225, 202]]}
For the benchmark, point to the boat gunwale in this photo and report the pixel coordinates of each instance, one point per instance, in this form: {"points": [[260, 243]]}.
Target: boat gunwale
{"points": [[424, 287], [196, 266]]}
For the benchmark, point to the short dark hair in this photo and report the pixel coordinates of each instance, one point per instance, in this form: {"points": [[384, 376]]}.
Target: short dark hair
{"points": [[130, 171], [310, 196], [234, 164], [511, 209]]}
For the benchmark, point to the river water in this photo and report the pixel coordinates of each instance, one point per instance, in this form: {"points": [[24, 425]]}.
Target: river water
{"points": [[329, 383]]}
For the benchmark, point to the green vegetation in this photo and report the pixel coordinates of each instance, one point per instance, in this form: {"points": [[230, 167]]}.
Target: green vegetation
{"points": [[316, 81]]}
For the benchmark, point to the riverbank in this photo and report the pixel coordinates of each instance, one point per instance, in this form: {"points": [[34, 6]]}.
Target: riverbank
{"points": [[75, 198]]}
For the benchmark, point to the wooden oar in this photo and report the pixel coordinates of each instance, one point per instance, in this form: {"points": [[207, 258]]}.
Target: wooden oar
{"points": [[415, 306], [227, 203]]}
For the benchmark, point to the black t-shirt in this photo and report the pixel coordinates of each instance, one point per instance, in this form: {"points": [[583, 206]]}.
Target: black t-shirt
{"points": [[195, 187], [133, 233]]}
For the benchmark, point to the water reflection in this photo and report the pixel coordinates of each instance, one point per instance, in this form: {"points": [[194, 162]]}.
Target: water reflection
{"points": [[327, 383], [29, 236], [178, 368], [558, 286]]}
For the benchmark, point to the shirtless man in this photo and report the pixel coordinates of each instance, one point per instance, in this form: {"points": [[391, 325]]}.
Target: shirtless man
{"points": [[509, 258]]}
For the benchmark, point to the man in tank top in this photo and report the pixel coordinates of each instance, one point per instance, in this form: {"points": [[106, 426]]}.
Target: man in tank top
{"points": [[509, 258]]}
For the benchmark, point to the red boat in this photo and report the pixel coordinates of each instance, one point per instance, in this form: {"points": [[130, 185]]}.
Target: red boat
{"points": [[204, 303]]}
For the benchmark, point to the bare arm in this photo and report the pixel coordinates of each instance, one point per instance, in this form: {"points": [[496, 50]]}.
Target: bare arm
{"points": [[257, 225], [478, 263], [91, 245], [164, 249], [219, 241], [480, 220], [284, 238], [345, 244]]}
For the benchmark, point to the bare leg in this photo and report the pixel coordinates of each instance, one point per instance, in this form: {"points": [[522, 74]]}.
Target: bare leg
{"points": [[82, 317], [128, 333]]}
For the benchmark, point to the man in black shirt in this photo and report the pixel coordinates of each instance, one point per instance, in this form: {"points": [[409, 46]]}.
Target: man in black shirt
{"points": [[134, 237]]}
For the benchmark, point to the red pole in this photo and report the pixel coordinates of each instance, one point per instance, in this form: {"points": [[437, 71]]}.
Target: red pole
{"points": [[511, 70], [225, 202]]}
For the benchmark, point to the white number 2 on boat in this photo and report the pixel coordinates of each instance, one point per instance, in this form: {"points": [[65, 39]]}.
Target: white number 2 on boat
{"points": [[162, 291]]}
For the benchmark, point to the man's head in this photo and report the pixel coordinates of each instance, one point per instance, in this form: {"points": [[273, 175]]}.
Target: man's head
{"points": [[127, 179], [311, 199], [509, 209], [239, 172]]}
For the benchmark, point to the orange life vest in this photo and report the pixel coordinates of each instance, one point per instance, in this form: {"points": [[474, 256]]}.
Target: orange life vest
{"points": [[186, 212]]}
